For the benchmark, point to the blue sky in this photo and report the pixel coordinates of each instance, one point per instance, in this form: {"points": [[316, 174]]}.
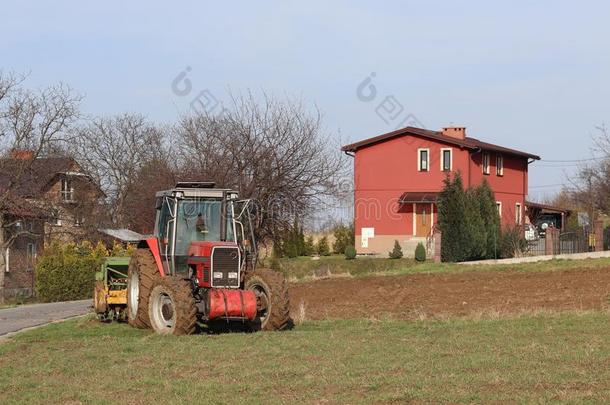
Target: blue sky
{"points": [[528, 75]]}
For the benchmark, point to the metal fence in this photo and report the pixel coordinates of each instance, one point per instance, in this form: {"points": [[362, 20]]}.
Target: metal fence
{"points": [[566, 242]]}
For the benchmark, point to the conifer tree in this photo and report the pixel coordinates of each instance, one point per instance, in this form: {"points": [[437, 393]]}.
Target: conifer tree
{"points": [[452, 221]]}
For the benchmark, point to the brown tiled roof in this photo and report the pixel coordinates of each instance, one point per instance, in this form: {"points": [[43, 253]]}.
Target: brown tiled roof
{"points": [[29, 179], [467, 142], [417, 197]]}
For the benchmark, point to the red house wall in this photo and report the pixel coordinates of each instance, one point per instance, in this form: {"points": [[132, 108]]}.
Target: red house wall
{"points": [[383, 171]]}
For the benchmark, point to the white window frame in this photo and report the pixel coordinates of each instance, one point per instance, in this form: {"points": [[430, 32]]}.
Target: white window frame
{"points": [[67, 190], [499, 165], [485, 158], [518, 214], [442, 159], [499, 207], [419, 151]]}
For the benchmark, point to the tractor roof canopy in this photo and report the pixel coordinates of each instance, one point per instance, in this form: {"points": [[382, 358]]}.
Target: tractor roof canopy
{"points": [[197, 189]]}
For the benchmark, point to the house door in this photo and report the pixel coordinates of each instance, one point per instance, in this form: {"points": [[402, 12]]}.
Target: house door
{"points": [[423, 219]]}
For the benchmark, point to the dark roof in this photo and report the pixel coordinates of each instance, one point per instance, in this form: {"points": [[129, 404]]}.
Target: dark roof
{"points": [[20, 207], [417, 197], [546, 207], [467, 142], [35, 175]]}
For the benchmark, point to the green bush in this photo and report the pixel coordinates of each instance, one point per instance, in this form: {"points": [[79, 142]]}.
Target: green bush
{"points": [[67, 272], [309, 248], [322, 248], [396, 253], [344, 237], [275, 263], [420, 252], [350, 252]]}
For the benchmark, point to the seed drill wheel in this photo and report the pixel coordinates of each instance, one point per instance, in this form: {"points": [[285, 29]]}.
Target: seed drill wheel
{"points": [[141, 276], [171, 308], [272, 301], [99, 300]]}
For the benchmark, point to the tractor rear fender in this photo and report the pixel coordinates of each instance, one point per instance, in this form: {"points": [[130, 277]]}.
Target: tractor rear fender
{"points": [[153, 245]]}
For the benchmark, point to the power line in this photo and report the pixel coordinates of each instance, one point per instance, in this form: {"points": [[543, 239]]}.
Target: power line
{"points": [[572, 160], [547, 185]]}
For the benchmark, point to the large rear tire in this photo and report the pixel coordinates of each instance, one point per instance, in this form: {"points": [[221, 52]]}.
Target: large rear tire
{"points": [[171, 307], [141, 276], [272, 300]]}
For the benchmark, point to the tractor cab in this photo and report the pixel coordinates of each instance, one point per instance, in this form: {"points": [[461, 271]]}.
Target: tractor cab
{"points": [[205, 229]]}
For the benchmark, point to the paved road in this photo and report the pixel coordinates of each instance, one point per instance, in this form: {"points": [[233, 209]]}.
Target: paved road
{"points": [[26, 316]]}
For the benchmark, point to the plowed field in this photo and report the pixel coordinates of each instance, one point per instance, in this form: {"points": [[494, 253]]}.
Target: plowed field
{"points": [[458, 294]]}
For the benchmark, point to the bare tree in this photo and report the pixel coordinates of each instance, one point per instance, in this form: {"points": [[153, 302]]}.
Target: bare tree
{"points": [[30, 122], [113, 149], [275, 151], [590, 187]]}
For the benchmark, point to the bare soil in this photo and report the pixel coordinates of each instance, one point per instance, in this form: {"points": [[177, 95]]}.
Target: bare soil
{"points": [[452, 294]]}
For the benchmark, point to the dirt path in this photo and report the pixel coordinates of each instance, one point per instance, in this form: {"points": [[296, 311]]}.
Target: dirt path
{"points": [[471, 293]]}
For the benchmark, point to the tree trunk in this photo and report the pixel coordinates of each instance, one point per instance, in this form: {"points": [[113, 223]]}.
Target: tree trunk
{"points": [[2, 260]]}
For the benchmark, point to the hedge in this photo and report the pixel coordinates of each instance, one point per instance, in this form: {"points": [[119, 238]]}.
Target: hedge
{"points": [[67, 271]]}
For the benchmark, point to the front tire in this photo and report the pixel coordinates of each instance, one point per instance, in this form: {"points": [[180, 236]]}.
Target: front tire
{"points": [[141, 276], [171, 307], [272, 300]]}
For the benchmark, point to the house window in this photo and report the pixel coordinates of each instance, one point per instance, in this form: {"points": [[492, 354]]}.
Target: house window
{"points": [[67, 191], [79, 219], [485, 163], [423, 160], [31, 252], [446, 160], [7, 260], [518, 214], [499, 165], [499, 207], [56, 218]]}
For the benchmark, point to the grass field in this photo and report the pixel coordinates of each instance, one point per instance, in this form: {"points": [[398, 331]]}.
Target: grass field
{"points": [[304, 268], [544, 357]]}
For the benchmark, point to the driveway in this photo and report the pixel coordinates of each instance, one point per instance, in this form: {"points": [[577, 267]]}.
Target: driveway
{"points": [[26, 316]]}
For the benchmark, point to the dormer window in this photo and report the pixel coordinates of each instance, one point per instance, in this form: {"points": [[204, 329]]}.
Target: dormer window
{"points": [[67, 191]]}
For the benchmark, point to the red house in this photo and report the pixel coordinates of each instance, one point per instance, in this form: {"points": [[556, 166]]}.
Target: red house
{"points": [[398, 176]]}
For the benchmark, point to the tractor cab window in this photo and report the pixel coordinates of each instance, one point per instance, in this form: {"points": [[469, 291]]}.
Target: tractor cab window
{"points": [[200, 220], [165, 210]]}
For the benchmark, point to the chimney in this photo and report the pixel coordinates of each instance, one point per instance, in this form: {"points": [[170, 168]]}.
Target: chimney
{"points": [[455, 132], [22, 154]]}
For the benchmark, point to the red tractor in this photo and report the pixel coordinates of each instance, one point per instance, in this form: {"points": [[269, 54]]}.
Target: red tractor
{"points": [[200, 266]]}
